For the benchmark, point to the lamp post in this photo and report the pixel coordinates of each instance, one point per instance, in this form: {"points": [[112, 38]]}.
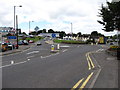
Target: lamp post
{"points": [[29, 26], [71, 29], [14, 13], [16, 20]]}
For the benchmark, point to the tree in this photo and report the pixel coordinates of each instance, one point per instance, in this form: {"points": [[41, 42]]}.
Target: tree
{"points": [[44, 30], [50, 31], [79, 34], [24, 33], [110, 17], [62, 34]]}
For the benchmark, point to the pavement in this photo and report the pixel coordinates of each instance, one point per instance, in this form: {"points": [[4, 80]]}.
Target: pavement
{"points": [[21, 48]]}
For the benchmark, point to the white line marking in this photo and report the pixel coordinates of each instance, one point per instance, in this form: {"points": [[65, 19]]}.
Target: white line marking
{"points": [[79, 46], [50, 55], [30, 56], [65, 50], [94, 80], [28, 59], [13, 64], [33, 52]]}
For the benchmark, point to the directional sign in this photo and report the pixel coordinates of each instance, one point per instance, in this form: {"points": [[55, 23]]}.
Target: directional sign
{"points": [[12, 37], [53, 35]]}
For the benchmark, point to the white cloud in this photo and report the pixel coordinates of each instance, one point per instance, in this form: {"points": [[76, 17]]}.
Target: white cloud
{"points": [[82, 13]]}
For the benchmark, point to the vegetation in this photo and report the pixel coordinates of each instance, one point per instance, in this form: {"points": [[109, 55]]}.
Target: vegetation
{"points": [[114, 48], [110, 17], [34, 38], [69, 41]]}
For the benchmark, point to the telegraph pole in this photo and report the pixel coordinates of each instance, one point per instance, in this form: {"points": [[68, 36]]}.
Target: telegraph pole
{"points": [[17, 29]]}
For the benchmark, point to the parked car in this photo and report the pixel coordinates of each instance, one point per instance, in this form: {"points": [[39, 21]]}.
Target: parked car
{"points": [[4, 47], [10, 46], [25, 42], [38, 43], [31, 41], [15, 45], [20, 43]]}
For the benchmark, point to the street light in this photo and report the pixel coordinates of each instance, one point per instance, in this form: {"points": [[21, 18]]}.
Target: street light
{"points": [[71, 30], [16, 23], [14, 13], [29, 26]]}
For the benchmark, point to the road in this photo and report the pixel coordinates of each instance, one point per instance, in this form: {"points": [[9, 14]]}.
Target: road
{"points": [[76, 66]]}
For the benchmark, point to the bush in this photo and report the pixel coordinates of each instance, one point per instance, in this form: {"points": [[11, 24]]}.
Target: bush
{"points": [[69, 41]]}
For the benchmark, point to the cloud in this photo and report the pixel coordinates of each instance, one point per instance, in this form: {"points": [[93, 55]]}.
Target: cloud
{"points": [[58, 13]]}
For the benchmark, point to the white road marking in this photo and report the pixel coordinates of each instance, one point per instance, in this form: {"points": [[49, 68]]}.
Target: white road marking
{"points": [[28, 59], [49, 55], [30, 56], [12, 62], [65, 46], [78, 45], [65, 50], [94, 80], [99, 50], [33, 52], [98, 72]]}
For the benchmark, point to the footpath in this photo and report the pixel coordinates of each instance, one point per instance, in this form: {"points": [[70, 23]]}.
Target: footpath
{"points": [[20, 49], [110, 66]]}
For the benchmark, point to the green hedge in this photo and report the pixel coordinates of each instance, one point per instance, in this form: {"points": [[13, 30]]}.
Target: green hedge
{"points": [[69, 41]]}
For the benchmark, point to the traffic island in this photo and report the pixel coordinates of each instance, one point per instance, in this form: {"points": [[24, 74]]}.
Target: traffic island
{"points": [[54, 51]]}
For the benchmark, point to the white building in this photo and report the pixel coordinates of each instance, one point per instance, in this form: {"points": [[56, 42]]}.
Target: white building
{"points": [[115, 0], [48, 34]]}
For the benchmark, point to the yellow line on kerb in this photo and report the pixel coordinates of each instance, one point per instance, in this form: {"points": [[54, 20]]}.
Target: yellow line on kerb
{"points": [[85, 82], [77, 84], [89, 60]]}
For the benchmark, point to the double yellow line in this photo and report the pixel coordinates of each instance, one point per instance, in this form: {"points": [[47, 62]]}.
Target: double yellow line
{"points": [[83, 84], [89, 60], [90, 66]]}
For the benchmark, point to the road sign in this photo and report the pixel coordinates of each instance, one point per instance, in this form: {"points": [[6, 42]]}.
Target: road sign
{"points": [[53, 35], [12, 37]]}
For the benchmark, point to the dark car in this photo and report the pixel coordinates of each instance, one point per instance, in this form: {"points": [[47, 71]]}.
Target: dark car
{"points": [[38, 43], [20, 43], [25, 42], [4, 47]]}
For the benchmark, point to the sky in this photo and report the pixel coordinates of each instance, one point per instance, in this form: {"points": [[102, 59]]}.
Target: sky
{"points": [[54, 14]]}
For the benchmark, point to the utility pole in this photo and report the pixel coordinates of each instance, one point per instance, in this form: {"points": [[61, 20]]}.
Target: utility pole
{"points": [[71, 30], [17, 29]]}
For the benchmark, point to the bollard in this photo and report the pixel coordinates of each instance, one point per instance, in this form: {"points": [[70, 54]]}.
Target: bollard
{"points": [[118, 53], [52, 48], [58, 46]]}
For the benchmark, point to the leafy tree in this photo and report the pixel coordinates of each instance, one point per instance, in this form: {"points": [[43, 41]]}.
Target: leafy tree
{"points": [[110, 17], [24, 33], [50, 31], [33, 33], [62, 34], [44, 31], [79, 34]]}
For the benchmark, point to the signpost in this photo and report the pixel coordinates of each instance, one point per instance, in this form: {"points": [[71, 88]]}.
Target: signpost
{"points": [[12, 37], [53, 35]]}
